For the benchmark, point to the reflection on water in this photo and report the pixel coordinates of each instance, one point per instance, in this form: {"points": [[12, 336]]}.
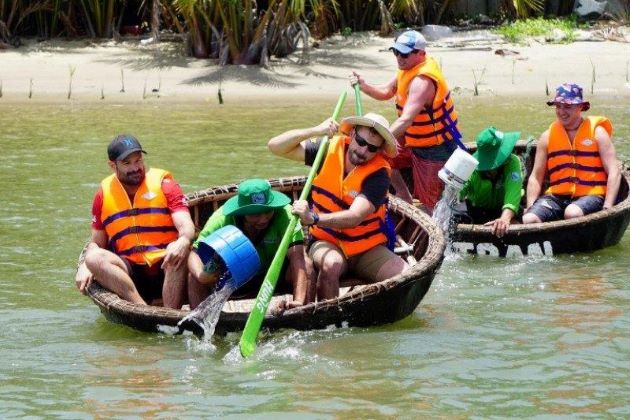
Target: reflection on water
{"points": [[538, 336]]}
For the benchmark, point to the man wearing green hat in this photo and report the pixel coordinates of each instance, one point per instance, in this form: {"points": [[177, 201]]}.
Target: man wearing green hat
{"points": [[263, 216], [493, 192]]}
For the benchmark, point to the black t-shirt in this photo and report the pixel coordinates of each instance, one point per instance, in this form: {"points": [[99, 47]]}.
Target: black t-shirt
{"points": [[374, 187]]}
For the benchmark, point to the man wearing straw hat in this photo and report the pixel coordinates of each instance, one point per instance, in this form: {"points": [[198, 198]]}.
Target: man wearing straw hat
{"points": [[493, 192], [347, 218], [579, 158], [427, 127], [141, 231], [263, 216]]}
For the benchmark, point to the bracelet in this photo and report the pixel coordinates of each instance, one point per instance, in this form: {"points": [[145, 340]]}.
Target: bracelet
{"points": [[315, 217]]}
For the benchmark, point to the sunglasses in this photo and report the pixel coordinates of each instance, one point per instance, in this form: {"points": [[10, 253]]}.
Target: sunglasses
{"points": [[363, 143], [399, 54]]}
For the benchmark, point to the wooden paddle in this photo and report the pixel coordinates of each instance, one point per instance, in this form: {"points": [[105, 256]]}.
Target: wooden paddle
{"points": [[247, 343]]}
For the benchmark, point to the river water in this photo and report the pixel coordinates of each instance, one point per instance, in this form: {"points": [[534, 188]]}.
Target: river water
{"points": [[535, 337]]}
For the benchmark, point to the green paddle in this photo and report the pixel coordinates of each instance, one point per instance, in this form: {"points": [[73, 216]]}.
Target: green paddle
{"points": [[357, 100], [254, 321]]}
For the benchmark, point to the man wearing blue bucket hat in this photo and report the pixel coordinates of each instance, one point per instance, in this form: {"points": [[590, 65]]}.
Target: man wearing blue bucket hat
{"points": [[427, 128], [493, 192], [263, 216], [578, 157], [141, 231]]}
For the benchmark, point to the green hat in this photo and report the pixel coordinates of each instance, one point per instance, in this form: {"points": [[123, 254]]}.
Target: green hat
{"points": [[494, 147], [254, 196]]}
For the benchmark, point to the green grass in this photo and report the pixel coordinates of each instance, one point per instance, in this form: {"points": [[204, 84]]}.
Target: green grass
{"points": [[519, 30]]}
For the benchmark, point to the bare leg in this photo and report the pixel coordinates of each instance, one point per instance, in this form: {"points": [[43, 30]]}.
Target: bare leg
{"points": [[112, 273], [298, 276], [531, 218], [332, 264], [572, 211], [391, 268], [174, 286]]}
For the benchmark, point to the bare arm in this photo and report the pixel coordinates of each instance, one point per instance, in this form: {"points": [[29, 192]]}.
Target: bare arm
{"points": [[357, 212], [537, 177], [290, 143], [177, 251], [500, 225], [379, 92], [611, 166], [84, 276], [421, 93]]}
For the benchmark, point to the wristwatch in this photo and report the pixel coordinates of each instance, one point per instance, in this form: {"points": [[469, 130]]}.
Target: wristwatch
{"points": [[315, 217]]}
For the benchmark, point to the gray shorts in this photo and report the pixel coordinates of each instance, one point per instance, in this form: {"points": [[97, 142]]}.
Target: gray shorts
{"points": [[551, 207]]}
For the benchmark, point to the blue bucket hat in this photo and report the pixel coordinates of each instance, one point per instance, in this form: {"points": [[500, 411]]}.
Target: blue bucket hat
{"points": [[409, 41], [571, 94]]}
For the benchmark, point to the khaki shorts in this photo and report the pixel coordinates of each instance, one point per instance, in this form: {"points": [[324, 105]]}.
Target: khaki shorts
{"points": [[365, 265]]}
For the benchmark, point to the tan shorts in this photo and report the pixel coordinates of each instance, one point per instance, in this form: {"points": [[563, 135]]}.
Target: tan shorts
{"points": [[366, 265]]}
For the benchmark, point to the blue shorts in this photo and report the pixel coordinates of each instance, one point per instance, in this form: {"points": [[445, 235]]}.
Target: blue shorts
{"points": [[551, 207]]}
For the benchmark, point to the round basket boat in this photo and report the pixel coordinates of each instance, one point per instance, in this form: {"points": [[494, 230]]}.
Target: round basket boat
{"points": [[583, 234], [419, 240]]}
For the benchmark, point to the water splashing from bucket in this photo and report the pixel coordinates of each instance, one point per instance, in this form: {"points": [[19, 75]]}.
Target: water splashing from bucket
{"points": [[240, 261], [455, 173]]}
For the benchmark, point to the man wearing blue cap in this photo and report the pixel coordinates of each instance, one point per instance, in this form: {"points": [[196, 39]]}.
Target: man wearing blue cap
{"points": [[578, 157], [427, 127], [141, 231], [263, 216]]}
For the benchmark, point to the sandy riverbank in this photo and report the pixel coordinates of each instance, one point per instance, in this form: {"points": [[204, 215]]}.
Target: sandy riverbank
{"points": [[101, 70]]}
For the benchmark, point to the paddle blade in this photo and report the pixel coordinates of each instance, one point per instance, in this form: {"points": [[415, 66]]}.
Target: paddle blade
{"points": [[247, 343]]}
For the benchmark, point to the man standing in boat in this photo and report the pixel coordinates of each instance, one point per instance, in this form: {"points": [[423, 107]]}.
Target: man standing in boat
{"points": [[263, 216], [427, 127], [349, 194], [578, 156], [141, 231]]}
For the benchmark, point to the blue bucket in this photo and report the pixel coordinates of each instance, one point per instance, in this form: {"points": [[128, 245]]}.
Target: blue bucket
{"points": [[236, 251]]}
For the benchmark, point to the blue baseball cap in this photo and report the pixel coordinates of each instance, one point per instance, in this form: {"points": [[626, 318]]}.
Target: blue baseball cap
{"points": [[409, 41]]}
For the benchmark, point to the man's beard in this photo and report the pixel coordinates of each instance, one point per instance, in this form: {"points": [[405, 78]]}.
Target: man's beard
{"points": [[357, 159], [132, 178]]}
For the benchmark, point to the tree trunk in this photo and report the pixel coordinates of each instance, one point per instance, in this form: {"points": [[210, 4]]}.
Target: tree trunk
{"points": [[155, 21]]}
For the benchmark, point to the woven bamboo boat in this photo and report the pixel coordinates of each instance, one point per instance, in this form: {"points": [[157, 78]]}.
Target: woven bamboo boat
{"points": [[420, 241], [583, 234]]}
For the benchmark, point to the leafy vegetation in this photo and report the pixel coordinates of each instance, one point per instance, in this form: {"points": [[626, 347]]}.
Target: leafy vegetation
{"points": [[519, 30], [249, 31]]}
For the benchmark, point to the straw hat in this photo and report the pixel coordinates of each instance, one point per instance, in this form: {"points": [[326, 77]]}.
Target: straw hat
{"points": [[377, 122]]}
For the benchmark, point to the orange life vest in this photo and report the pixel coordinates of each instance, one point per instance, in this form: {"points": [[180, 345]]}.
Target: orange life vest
{"points": [[435, 124], [332, 192], [140, 231], [576, 169]]}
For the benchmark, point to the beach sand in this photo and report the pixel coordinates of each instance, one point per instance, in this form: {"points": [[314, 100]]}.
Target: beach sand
{"points": [[162, 72]]}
